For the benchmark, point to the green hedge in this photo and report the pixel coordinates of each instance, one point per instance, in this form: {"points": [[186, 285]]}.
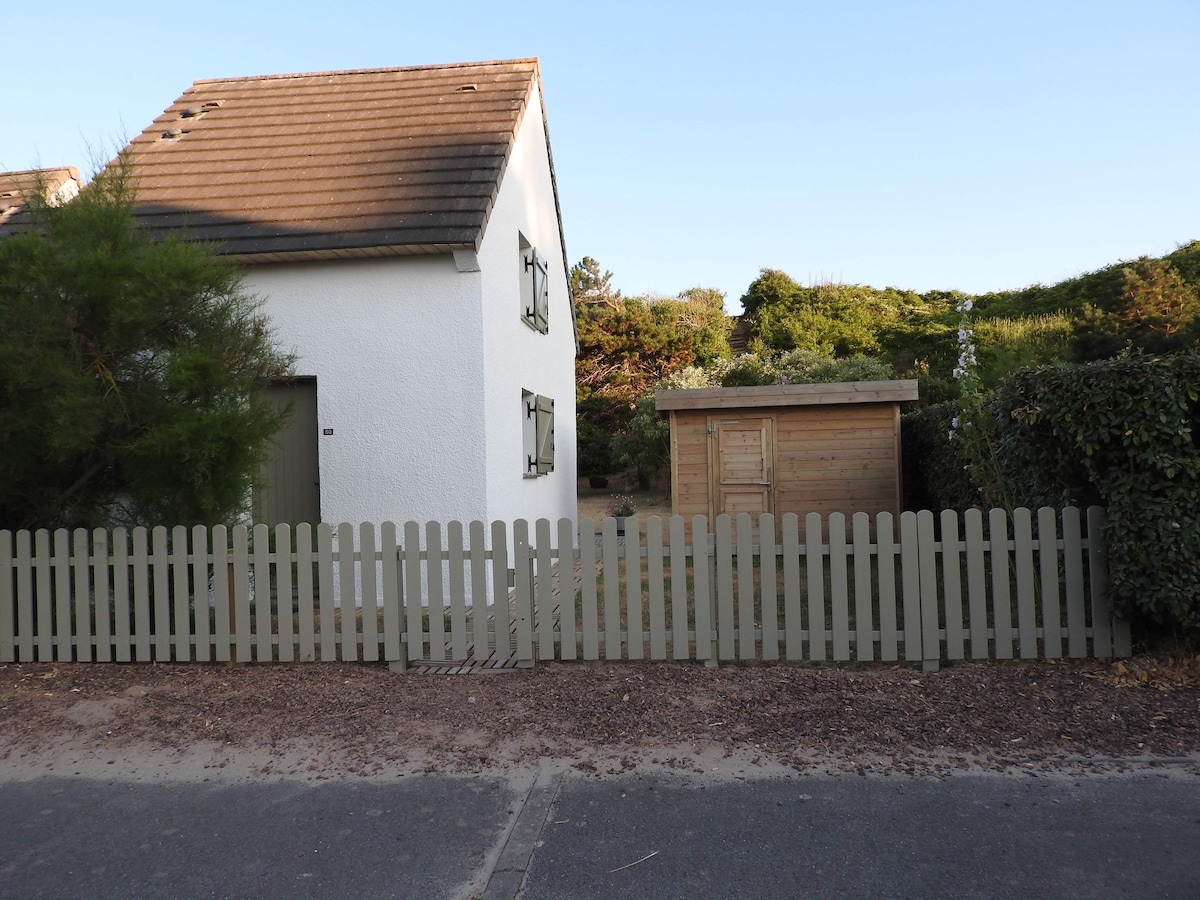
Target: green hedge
{"points": [[1122, 433]]}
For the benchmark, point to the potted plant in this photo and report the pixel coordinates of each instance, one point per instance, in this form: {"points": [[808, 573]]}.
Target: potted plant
{"points": [[621, 508]]}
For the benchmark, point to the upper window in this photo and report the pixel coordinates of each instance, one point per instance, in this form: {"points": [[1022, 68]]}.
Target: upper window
{"points": [[535, 288]]}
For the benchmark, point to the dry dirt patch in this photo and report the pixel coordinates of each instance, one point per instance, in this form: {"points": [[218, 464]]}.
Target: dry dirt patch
{"points": [[320, 720]]}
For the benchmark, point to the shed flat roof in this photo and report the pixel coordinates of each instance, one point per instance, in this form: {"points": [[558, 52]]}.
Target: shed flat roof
{"points": [[787, 395]]}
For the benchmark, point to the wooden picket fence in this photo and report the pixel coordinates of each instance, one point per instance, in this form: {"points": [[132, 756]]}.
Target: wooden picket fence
{"points": [[448, 598]]}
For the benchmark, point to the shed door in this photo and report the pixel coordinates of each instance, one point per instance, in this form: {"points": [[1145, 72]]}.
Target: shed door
{"points": [[291, 490], [742, 464]]}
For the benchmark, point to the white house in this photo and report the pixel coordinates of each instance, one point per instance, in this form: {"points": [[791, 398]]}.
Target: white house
{"points": [[402, 227]]}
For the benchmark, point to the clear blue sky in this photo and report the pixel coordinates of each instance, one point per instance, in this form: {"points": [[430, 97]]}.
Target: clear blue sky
{"points": [[970, 145]]}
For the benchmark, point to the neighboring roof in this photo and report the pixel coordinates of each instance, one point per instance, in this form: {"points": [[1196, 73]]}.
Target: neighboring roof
{"points": [[60, 184], [787, 395], [335, 164]]}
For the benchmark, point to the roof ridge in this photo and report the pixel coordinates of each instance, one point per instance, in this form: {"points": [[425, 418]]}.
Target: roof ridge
{"points": [[377, 71]]}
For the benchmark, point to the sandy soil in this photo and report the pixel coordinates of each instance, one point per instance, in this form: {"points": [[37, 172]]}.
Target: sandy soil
{"points": [[319, 721]]}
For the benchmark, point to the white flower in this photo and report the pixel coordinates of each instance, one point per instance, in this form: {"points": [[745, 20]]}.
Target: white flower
{"points": [[965, 306]]}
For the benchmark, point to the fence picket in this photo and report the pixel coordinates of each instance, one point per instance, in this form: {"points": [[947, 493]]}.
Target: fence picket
{"points": [[544, 611], [458, 591], [793, 620], [393, 646], [479, 591], [8, 600], [160, 578], [1001, 583], [589, 609], [1047, 536], [1026, 589], [657, 609], [122, 641], [346, 606], [726, 623], [262, 593], [140, 564], [886, 566], [325, 595], [839, 587], [284, 601], [679, 588], [82, 589], [523, 567], [768, 588], [927, 564], [414, 598], [814, 561], [566, 589], [744, 561], [306, 595], [500, 608], [178, 558], [864, 617], [240, 602], [634, 635], [369, 592], [910, 579], [435, 597], [703, 574], [612, 586], [25, 597], [952, 585], [56, 571], [202, 628], [1073, 583], [222, 589], [976, 585]]}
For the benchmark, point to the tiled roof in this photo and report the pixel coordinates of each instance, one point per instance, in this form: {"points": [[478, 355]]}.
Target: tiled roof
{"points": [[334, 164], [62, 183]]}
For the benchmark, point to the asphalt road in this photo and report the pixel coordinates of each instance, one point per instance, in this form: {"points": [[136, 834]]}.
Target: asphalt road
{"points": [[549, 836]]}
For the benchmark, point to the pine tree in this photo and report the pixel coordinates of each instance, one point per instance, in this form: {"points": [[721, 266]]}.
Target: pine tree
{"points": [[128, 371]]}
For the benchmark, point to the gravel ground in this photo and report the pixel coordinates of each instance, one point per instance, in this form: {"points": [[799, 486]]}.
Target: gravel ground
{"points": [[324, 720]]}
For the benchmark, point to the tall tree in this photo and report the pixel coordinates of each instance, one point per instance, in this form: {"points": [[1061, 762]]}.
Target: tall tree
{"points": [[589, 285], [626, 345], [128, 371]]}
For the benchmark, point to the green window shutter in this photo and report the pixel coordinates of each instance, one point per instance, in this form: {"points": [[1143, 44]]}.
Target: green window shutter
{"points": [[545, 435], [537, 303]]}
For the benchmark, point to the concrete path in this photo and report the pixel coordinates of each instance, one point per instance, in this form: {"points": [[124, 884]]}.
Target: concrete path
{"points": [[545, 835]]}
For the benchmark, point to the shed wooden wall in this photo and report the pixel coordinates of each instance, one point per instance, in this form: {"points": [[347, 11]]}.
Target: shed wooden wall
{"points": [[828, 458]]}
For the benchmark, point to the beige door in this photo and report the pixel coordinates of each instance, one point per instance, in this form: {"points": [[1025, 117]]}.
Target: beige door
{"points": [[742, 463], [291, 490]]}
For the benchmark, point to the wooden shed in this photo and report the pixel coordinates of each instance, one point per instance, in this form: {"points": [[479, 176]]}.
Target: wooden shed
{"points": [[786, 448]]}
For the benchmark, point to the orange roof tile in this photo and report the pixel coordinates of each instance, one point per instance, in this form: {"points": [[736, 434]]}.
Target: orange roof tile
{"points": [[357, 163], [62, 183]]}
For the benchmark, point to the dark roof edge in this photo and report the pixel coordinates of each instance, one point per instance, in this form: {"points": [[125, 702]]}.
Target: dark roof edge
{"points": [[385, 250], [462, 65]]}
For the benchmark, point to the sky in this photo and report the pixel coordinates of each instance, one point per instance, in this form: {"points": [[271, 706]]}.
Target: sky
{"points": [[975, 146]]}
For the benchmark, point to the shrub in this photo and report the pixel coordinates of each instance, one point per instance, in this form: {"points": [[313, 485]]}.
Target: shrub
{"points": [[1123, 433]]}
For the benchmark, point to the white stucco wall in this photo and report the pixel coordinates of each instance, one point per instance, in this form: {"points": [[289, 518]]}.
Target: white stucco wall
{"points": [[516, 357], [395, 347], [420, 368]]}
